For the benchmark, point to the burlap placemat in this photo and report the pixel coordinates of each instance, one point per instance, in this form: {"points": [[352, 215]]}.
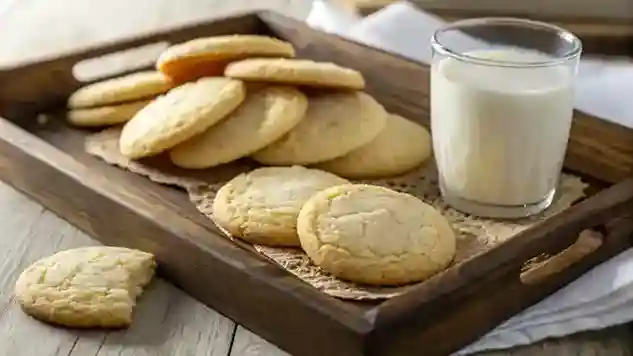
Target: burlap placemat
{"points": [[474, 235]]}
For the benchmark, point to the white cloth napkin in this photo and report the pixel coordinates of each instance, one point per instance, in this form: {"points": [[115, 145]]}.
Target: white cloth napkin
{"points": [[601, 298]]}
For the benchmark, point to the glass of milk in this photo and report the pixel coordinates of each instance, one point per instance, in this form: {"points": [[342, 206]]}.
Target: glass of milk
{"points": [[501, 111]]}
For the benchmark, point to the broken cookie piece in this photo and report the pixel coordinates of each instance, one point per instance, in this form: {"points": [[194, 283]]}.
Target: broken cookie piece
{"points": [[88, 287]]}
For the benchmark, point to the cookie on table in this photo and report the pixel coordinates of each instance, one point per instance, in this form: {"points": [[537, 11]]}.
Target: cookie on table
{"points": [[374, 235], [131, 87], [334, 125], [105, 115], [209, 56], [400, 147], [264, 117], [300, 72], [261, 206], [182, 113], [88, 287]]}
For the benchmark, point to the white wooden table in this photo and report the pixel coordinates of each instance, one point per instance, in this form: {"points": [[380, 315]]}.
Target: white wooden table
{"points": [[167, 321]]}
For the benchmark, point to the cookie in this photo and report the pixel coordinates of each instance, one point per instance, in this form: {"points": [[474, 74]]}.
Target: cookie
{"points": [[261, 206], [131, 87], [182, 113], [265, 116], [400, 147], [105, 115], [300, 72], [334, 125], [86, 287], [374, 235], [208, 56]]}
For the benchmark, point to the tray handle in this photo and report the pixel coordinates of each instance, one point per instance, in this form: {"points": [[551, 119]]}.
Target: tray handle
{"points": [[535, 272], [584, 224], [504, 263]]}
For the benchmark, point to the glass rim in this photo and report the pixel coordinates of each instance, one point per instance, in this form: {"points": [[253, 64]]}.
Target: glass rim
{"points": [[562, 33]]}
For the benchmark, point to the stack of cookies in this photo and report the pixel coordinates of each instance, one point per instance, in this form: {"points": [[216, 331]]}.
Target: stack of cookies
{"points": [[232, 97], [225, 98], [115, 101]]}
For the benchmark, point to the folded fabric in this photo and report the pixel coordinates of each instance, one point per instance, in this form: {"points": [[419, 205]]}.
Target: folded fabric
{"points": [[604, 89], [329, 17], [599, 299]]}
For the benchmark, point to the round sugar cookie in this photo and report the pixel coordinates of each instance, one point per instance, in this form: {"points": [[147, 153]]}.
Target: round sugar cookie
{"points": [[131, 87], [85, 287], [401, 146], [208, 56], [261, 206], [105, 115], [180, 114], [334, 125], [300, 72], [374, 235], [264, 116]]}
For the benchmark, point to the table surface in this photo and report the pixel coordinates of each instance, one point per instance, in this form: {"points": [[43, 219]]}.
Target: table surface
{"points": [[167, 321]]}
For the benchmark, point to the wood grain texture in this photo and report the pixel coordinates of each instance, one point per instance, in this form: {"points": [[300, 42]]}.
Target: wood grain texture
{"points": [[145, 341], [166, 321], [188, 246], [613, 341], [92, 194], [245, 343]]}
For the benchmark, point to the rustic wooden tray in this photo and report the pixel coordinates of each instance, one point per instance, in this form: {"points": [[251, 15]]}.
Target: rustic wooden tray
{"points": [[435, 318]]}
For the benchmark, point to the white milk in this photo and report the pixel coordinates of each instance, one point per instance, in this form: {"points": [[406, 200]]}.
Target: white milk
{"points": [[500, 133]]}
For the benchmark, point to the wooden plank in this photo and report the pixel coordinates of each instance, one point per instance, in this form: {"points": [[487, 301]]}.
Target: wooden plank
{"points": [[32, 232], [166, 321], [245, 343], [93, 195], [188, 249], [35, 232], [613, 341]]}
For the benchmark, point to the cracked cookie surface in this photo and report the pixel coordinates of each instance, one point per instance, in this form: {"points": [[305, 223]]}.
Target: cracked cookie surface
{"points": [[86, 287], [374, 235], [334, 125], [182, 113], [264, 116], [262, 206]]}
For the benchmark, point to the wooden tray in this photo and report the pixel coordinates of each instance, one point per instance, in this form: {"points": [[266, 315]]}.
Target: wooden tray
{"points": [[435, 318]]}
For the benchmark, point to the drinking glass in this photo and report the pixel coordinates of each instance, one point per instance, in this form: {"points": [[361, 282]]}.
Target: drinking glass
{"points": [[501, 111]]}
